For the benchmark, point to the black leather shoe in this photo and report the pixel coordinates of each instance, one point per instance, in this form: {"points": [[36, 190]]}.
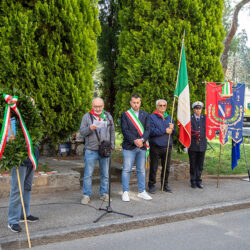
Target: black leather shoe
{"points": [[167, 189], [199, 185], [151, 190], [193, 185]]}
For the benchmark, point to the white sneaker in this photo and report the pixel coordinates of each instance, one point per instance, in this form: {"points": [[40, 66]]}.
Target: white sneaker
{"points": [[125, 196], [144, 195], [85, 200]]}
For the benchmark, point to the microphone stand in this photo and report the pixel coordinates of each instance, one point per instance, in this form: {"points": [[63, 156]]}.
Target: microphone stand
{"points": [[108, 208]]}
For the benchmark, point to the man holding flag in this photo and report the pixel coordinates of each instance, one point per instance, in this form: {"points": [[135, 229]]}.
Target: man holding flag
{"points": [[135, 129], [161, 129]]}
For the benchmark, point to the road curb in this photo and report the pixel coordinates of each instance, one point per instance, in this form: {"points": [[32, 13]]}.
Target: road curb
{"points": [[95, 229]]}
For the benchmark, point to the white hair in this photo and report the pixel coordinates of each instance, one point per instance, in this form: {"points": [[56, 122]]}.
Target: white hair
{"points": [[161, 100], [97, 98]]}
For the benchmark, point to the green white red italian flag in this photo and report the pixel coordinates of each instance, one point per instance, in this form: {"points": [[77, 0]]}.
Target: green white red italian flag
{"points": [[183, 111]]}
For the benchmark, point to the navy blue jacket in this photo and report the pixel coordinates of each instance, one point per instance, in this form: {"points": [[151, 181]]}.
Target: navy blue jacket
{"points": [[130, 133], [198, 134], [28, 163], [158, 128]]}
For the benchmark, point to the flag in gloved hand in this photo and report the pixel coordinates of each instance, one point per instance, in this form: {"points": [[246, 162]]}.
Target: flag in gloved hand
{"points": [[235, 153]]}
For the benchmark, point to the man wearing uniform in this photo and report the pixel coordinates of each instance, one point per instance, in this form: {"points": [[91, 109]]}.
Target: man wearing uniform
{"points": [[198, 145]]}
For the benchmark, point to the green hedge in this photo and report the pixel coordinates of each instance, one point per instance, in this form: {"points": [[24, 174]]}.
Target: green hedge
{"points": [[150, 43], [48, 49]]}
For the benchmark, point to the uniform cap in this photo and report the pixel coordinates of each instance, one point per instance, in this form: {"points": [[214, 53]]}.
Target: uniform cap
{"points": [[197, 104]]}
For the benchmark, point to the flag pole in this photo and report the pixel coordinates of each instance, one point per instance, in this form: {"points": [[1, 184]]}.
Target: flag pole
{"points": [[218, 174], [24, 212], [246, 161], [166, 158], [21, 197]]}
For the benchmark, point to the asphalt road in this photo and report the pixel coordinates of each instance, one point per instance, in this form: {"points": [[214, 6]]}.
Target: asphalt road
{"points": [[222, 231]]}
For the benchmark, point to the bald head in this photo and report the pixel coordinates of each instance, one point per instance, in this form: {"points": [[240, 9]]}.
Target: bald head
{"points": [[98, 105], [97, 100]]}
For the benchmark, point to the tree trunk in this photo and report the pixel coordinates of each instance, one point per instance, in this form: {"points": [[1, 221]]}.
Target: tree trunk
{"points": [[227, 42]]}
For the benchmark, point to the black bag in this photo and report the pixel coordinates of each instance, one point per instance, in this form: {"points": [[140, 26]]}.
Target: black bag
{"points": [[104, 149]]}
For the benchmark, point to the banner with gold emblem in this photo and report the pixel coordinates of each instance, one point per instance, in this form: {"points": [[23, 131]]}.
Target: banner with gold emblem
{"points": [[225, 111]]}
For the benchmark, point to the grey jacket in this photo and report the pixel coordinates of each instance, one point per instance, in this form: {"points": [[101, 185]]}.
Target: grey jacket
{"points": [[91, 141]]}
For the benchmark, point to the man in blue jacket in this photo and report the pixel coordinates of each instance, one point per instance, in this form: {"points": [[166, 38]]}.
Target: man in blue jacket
{"points": [[160, 130], [135, 129]]}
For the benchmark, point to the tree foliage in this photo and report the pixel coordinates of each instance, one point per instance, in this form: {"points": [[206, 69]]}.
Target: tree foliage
{"points": [[232, 31], [238, 59], [108, 49], [150, 43], [238, 62], [48, 49]]}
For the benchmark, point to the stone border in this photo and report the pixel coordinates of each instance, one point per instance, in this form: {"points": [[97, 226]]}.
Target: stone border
{"points": [[45, 182]]}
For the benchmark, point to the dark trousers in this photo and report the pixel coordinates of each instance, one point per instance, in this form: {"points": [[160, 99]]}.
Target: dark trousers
{"points": [[157, 153], [196, 160]]}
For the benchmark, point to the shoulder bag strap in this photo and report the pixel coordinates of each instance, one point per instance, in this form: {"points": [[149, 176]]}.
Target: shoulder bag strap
{"points": [[98, 138]]}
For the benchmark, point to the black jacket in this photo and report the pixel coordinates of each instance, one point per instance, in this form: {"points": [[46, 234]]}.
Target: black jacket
{"points": [[198, 134], [130, 133]]}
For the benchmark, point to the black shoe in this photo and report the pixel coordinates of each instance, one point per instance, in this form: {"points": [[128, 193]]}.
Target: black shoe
{"points": [[15, 228], [193, 185], [199, 185], [30, 218], [167, 189], [151, 190]]}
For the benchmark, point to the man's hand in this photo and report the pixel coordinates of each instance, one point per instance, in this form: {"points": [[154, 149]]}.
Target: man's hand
{"points": [[171, 126], [93, 127], [12, 137], [138, 143], [169, 131]]}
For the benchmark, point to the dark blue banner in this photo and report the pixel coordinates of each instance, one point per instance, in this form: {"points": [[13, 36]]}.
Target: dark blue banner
{"points": [[233, 111]]}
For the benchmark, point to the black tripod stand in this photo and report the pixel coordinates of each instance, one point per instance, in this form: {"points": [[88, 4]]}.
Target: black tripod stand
{"points": [[108, 208]]}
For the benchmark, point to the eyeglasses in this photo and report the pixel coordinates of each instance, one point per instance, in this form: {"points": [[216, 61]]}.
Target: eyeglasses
{"points": [[98, 107], [162, 105]]}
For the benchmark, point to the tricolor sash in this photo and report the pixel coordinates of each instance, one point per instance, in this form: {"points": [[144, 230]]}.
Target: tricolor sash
{"points": [[12, 104], [136, 122]]}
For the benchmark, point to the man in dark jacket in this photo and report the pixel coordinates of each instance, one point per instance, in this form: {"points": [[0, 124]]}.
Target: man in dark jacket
{"points": [[198, 145], [160, 130], [135, 129]]}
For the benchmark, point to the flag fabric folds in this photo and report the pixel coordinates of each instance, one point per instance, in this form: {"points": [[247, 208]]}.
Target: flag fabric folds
{"points": [[235, 153], [183, 111], [225, 111]]}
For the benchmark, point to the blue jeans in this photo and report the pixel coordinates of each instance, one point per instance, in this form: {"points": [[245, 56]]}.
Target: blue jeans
{"points": [[129, 156], [91, 157], [15, 207]]}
